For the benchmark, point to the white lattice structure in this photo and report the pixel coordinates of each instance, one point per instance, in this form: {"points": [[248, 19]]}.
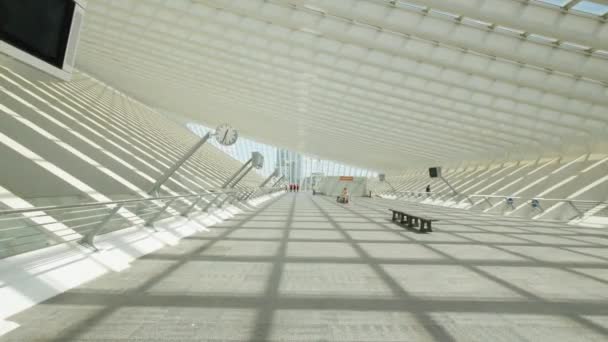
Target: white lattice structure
{"points": [[387, 85]]}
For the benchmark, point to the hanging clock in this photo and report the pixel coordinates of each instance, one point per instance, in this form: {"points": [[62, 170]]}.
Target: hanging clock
{"points": [[226, 135]]}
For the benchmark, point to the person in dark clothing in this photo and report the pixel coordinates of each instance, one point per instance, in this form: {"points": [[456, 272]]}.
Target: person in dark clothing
{"points": [[428, 190]]}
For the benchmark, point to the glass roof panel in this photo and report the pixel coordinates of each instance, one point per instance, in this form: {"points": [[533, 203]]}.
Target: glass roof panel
{"points": [[574, 46], [541, 39], [410, 6], [444, 14], [475, 22], [591, 8], [560, 3], [602, 53], [509, 30]]}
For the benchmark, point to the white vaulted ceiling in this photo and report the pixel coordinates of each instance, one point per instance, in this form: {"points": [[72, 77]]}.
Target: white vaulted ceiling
{"points": [[380, 84]]}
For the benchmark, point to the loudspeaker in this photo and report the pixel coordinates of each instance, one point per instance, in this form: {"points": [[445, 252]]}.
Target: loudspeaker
{"points": [[382, 177], [257, 160], [435, 172]]}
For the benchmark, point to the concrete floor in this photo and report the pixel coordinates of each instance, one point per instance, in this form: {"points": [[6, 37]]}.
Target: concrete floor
{"points": [[306, 269]]}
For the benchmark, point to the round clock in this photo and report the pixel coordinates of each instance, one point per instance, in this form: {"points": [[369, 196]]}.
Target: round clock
{"points": [[226, 135]]}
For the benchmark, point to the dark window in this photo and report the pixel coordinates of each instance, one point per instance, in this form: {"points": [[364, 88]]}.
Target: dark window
{"points": [[38, 27]]}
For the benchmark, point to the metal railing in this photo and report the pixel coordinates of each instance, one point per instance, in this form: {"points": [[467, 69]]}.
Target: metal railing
{"points": [[27, 229], [563, 209]]}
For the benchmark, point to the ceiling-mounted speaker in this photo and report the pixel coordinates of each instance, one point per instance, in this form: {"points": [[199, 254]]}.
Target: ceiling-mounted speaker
{"points": [[257, 160], [382, 177], [435, 172]]}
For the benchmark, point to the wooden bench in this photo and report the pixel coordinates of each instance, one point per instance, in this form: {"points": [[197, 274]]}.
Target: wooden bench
{"points": [[413, 220]]}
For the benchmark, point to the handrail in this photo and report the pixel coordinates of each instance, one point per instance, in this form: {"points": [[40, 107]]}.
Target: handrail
{"points": [[85, 221], [582, 208], [98, 204], [497, 196]]}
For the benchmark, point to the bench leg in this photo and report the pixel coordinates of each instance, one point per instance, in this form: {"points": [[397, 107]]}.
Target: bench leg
{"points": [[428, 227], [394, 216], [402, 218], [410, 223], [416, 222]]}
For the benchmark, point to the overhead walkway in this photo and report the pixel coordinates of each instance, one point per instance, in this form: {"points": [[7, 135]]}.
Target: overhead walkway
{"points": [[303, 268]]}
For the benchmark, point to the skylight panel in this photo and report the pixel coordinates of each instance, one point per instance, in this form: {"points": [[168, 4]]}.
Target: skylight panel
{"points": [[311, 31], [573, 46], [475, 22], [602, 53], [591, 8], [410, 6], [509, 30], [314, 8], [560, 3], [541, 39], [444, 14]]}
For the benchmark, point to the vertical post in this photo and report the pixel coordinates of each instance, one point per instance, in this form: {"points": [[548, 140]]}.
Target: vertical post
{"points": [[160, 181]]}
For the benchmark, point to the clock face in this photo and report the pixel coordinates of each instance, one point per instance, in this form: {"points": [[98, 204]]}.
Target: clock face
{"points": [[226, 135]]}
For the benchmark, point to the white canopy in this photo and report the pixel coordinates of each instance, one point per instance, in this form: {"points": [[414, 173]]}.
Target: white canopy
{"points": [[376, 83]]}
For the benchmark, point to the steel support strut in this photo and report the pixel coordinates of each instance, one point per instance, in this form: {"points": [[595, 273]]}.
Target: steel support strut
{"points": [[224, 186], [162, 179], [234, 184], [90, 236], [266, 181], [277, 182], [88, 239]]}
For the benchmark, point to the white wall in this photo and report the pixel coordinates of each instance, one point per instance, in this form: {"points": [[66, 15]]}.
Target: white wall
{"points": [[332, 186], [84, 141]]}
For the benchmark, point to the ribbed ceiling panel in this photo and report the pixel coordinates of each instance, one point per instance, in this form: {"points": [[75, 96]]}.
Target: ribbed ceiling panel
{"points": [[380, 84]]}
